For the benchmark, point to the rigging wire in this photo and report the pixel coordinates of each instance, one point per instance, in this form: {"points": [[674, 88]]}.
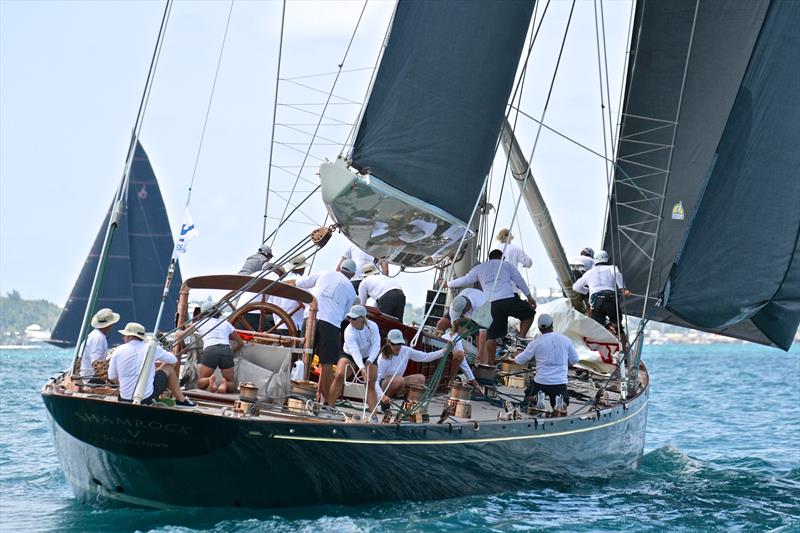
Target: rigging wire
{"points": [[274, 120], [322, 114]]}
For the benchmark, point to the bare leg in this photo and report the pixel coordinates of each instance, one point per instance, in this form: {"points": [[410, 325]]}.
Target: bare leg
{"points": [[455, 363], [172, 382], [372, 373], [396, 386], [325, 379], [205, 376], [524, 326], [337, 386], [228, 381]]}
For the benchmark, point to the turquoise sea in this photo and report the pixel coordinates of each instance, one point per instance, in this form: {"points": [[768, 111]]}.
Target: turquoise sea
{"points": [[722, 453]]}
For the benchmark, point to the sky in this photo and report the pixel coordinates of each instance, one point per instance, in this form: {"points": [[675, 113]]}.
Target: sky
{"points": [[72, 74]]}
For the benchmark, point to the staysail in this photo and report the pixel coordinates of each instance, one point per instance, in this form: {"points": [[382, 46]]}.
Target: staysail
{"points": [[137, 263], [706, 149], [428, 134]]}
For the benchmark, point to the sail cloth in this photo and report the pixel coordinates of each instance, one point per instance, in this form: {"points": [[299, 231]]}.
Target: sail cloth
{"points": [[689, 62], [741, 260], [431, 124], [137, 263]]}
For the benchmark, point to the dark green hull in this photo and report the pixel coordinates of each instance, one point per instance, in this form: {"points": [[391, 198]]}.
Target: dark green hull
{"points": [[162, 457]]}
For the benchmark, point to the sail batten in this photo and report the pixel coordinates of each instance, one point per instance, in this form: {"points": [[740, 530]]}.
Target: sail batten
{"points": [[136, 264]]}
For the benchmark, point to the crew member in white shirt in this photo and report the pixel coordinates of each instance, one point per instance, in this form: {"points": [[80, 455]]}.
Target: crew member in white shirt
{"points": [[580, 264], [393, 362], [512, 253], [384, 290], [460, 354], [126, 361], [554, 353], [297, 267], [462, 305], [602, 283], [220, 340], [504, 301], [335, 296], [361, 259], [362, 343], [96, 347]]}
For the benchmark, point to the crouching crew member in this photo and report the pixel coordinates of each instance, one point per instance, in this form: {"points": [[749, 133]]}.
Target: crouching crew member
{"points": [[362, 343], [393, 362], [220, 340], [460, 354], [384, 290], [127, 360], [554, 354], [462, 305]]}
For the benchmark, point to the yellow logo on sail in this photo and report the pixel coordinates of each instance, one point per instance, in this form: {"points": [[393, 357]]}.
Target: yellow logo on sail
{"points": [[677, 211]]}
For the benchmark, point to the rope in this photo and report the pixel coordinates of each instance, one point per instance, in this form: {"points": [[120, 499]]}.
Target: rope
{"points": [[274, 116], [321, 116]]}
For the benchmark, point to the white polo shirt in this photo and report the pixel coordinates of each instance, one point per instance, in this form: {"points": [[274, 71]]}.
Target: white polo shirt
{"points": [[476, 298], [515, 255], [582, 260], [95, 349], [334, 293], [361, 259], [397, 364], [363, 344], [599, 278], [215, 331], [376, 286], [484, 274], [553, 353], [126, 360]]}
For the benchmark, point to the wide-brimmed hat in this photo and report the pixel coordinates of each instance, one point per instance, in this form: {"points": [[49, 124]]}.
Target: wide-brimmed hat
{"points": [[395, 336], [357, 311], [133, 329], [297, 262], [370, 270], [104, 317], [504, 235]]}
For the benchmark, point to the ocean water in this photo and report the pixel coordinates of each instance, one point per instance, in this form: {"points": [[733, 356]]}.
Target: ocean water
{"points": [[722, 453]]}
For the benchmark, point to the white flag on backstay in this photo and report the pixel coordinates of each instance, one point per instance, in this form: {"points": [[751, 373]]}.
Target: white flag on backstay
{"points": [[188, 232]]}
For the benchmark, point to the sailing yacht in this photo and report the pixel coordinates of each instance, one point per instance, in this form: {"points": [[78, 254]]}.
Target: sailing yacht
{"points": [[709, 124]]}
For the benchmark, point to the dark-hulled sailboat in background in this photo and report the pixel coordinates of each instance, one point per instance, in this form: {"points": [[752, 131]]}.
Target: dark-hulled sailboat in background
{"points": [[411, 194], [136, 265]]}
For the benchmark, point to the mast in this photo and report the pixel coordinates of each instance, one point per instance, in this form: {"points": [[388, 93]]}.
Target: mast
{"points": [[539, 213]]}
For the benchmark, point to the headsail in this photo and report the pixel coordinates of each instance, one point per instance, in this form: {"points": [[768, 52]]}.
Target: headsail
{"points": [[694, 65], [428, 134], [137, 263]]}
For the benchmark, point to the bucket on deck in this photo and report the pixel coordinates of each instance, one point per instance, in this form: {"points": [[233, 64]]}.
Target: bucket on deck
{"points": [[460, 408]]}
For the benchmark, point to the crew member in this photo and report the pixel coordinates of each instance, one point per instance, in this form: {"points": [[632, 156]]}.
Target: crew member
{"points": [[384, 290], [362, 343], [601, 283], [462, 305], [296, 267], [460, 354], [258, 261], [127, 360], [554, 353], [512, 253], [580, 264], [501, 293], [393, 362], [96, 347], [220, 340], [361, 259], [335, 296]]}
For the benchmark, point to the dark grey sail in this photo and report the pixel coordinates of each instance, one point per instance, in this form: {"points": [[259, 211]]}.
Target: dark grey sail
{"points": [[689, 62], [137, 263], [429, 131]]}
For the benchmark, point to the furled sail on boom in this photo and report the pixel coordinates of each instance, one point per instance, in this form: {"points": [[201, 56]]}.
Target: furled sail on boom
{"points": [[704, 219], [137, 263], [429, 131]]}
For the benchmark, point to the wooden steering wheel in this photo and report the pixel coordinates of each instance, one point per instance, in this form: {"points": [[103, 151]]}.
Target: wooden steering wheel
{"points": [[239, 320]]}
